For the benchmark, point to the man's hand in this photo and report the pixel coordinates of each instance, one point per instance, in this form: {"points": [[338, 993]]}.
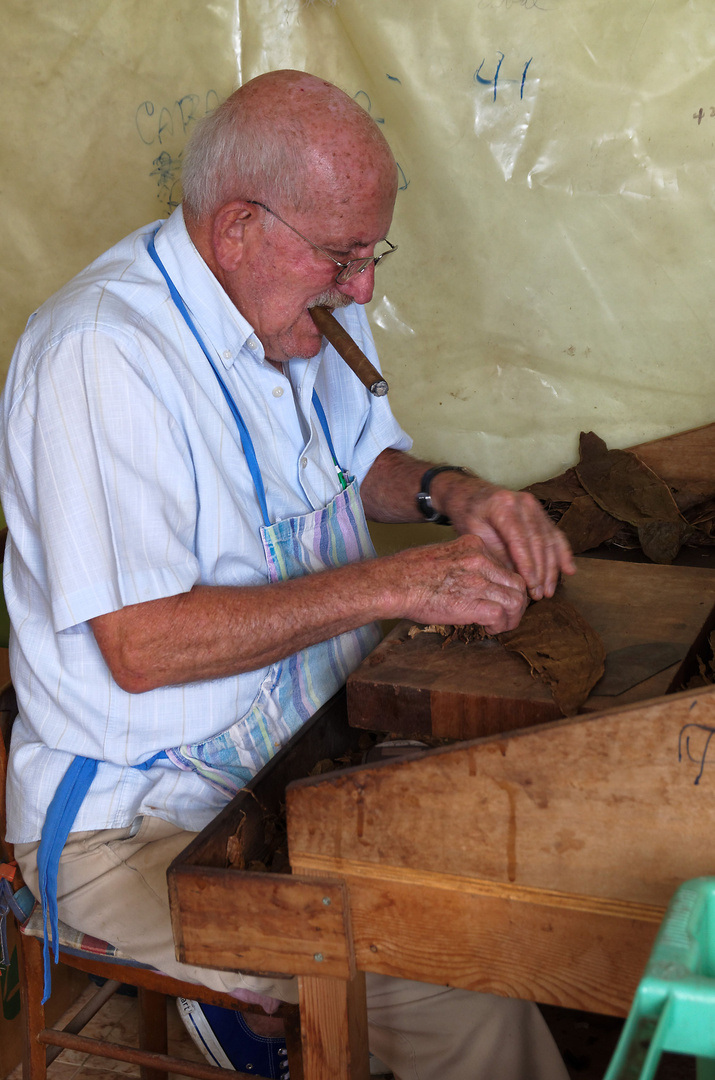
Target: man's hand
{"points": [[457, 582], [512, 524], [514, 527]]}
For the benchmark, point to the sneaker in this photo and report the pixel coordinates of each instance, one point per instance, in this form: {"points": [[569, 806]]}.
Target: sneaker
{"points": [[225, 1039]]}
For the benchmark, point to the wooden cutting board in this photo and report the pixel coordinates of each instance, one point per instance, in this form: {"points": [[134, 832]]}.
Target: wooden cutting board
{"points": [[649, 618]]}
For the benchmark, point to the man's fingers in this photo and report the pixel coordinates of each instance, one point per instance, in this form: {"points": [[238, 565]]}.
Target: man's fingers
{"points": [[538, 551], [460, 582]]}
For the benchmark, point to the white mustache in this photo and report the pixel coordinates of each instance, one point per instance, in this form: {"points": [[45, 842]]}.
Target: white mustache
{"points": [[331, 299]]}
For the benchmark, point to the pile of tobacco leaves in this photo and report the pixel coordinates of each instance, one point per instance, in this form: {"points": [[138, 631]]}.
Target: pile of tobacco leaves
{"points": [[612, 497]]}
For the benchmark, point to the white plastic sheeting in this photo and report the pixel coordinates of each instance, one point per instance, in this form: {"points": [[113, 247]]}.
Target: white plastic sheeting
{"points": [[555, 215]]}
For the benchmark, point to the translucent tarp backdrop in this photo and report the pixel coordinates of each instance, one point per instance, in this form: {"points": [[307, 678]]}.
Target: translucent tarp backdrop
{"points": [[555, 213]]}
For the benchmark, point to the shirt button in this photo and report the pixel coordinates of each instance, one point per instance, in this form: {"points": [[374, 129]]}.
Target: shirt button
{"points": [[303, 462], [227, 354], [277, 391], [252, 344]]}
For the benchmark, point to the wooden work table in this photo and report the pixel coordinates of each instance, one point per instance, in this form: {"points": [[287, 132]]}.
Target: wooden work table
{"points": [[534, 863]]}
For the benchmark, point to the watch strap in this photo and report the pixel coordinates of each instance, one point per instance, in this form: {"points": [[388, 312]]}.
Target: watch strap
{"points": [[424, 499]]}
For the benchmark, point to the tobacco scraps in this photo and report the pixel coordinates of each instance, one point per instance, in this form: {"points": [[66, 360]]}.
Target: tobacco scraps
{"points": [[554, 639]]}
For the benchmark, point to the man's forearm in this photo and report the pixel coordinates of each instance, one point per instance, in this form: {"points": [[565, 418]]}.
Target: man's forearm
{"points": [[217, 631], [214, 632]]}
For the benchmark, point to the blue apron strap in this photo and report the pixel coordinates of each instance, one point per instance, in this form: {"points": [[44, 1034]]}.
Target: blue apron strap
{"points": [[318, 405], [61, 814], [246, 440]]}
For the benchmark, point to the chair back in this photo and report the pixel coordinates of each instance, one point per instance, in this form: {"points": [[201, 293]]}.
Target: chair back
{"points": [[8, 712]]}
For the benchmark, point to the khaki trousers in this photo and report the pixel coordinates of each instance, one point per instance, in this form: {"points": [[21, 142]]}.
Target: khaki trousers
{"points": [[112, 884]]}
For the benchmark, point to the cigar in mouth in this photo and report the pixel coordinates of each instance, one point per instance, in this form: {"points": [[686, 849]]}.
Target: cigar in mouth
{"points": [[353, 356]]}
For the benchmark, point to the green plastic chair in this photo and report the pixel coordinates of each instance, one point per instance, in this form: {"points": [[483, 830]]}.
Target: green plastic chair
{"points": [[674, 1006]]}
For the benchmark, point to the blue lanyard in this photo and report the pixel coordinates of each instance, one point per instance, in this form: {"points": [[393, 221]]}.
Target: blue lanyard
{"points": [[246, 440]]}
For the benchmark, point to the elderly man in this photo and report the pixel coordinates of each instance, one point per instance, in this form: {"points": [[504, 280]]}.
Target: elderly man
{"points": [[186, 470]]}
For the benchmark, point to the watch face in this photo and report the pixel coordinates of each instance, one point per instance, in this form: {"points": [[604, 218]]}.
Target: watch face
{"points": [[424, 504]]}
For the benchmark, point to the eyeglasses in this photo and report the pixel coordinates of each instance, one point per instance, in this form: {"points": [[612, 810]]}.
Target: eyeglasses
{"points": [[347, 270]]}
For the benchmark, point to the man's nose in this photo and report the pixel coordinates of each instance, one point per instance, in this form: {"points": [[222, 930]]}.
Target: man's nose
{"points": [[361, 286]]}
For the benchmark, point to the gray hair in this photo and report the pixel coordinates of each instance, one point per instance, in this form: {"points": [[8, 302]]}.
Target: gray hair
{"points": [[230, 155], [236, 153]]}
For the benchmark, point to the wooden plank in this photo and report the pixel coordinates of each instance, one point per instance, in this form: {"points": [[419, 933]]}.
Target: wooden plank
{"points": [[422, 686], [334, 1025], [618, 805], [539, 945], [684, 459], [265, 923]]}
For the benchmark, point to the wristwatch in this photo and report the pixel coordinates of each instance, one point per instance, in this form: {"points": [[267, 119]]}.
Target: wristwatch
{"points": [[424, 499]]}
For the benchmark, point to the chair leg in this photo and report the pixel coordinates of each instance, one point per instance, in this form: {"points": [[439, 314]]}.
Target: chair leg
{"points": [[34, 1054], [153, 1033]]}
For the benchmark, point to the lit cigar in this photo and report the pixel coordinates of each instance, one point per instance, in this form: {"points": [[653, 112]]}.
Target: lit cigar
{"points": [[353, 356]]}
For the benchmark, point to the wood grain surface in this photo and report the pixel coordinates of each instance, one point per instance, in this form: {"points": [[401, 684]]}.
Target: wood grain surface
{"points": [[618, 805]]}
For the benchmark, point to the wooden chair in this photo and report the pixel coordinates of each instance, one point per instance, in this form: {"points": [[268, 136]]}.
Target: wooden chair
{"points": [[41, 1044]]}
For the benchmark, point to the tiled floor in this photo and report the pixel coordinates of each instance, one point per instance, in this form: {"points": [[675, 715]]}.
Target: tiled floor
{"points": [[586, 1041], [116, 1021]]}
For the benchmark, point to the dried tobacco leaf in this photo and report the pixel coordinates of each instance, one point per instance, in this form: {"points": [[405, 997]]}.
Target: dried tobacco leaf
{"points": [[563, 488], [662, 540], [626, 488], [697, 496], [561, 648], [586, 525], [234, 846], [443, 629]]}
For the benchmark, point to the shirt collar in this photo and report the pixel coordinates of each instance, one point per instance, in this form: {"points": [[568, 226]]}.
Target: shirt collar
{"points": [[222, 324]]}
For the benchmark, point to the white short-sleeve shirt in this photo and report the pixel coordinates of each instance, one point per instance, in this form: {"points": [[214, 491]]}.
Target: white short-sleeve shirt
{"points": [[123, 480]]}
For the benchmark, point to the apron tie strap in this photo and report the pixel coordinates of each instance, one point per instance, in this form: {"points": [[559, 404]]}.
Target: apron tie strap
{"points": [[60, 818]]}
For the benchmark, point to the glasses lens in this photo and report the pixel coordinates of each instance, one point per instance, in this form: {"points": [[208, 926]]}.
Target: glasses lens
{"points": [[355, 266]]}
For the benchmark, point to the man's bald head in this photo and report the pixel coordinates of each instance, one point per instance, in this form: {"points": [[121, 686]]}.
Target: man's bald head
{"points": [[288, 139]]}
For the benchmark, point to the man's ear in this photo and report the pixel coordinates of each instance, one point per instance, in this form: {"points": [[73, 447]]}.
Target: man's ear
{"points": [[229, 233]]}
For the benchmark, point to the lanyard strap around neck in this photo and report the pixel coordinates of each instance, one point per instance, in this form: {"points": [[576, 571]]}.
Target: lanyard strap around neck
{"points": [[246, 440]]}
